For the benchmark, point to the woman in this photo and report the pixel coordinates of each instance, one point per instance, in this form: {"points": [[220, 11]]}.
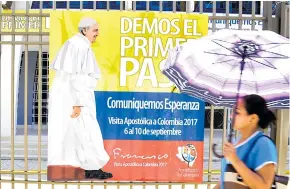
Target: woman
{"points": [[253, 157]]}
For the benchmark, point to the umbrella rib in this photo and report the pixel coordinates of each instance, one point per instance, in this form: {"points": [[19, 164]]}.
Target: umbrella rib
{"points": [[214, 50], [201, 71], [233, 67], [287, 81], [225, 61], [253, 70], [198, 73], [226, 47], [267, 61], [269, 57], [274, 44], [262, 63], [221, 54], [281, 55], [223, 41]]}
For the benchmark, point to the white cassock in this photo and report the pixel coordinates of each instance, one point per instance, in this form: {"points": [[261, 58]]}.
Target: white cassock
{"points": [[75, 141]]}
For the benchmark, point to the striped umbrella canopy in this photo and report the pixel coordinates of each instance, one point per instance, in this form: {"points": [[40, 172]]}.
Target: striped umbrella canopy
{"points": [[221, 67]]}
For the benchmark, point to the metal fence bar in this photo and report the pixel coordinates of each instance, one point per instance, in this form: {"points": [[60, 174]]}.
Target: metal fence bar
{"points": [[214, 16], [267, 13], [147, 6], [39, 99], [285, 18], [26, 97], [0, 94], [200, 6], [211, 110], [240, 15], [210, 143], [53, 5], [108, 5], [225, 120], [282, 137], [25, 14], [24, 33], [12, 93], [91, 184], [134, 5], [261, 18], [160, 6], [227, 14], [253, 14], [189, 9], [121, 5], [128, 5], [54, 8], [96, 183], [44, 172], [23, 42], [174, 6], [283, 126]]}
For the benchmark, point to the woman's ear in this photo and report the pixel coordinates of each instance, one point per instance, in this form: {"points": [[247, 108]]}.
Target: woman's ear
{"points": [[254, 119]]}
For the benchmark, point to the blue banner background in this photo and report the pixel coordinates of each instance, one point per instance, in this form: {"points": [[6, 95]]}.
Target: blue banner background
{"points": [[115, 122]]}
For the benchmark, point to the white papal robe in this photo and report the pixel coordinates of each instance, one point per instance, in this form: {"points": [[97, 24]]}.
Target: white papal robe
{"points": [[75, 141]]}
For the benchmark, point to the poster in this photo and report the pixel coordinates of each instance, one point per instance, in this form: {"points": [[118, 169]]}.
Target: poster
{"points": [[149, 132]]}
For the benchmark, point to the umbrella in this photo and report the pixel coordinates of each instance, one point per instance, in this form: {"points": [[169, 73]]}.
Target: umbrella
{"points": [[221, 67]]}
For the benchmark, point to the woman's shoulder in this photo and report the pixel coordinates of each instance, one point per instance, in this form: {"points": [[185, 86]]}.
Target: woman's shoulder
{"points": [[262, 153], [263, 142]]}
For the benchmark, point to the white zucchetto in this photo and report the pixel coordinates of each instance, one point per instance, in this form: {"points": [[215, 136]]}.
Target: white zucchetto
{"points": [[87, 22]]}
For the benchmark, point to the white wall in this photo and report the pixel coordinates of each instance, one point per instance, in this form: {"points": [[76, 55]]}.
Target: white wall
{"points": [[6, 82]]}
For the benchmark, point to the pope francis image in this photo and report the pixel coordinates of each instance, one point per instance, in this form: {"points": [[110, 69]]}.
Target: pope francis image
{"points": [[74, 135]]}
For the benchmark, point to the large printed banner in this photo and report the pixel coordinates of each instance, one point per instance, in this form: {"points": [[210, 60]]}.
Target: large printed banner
{"points": [[150, 133]]}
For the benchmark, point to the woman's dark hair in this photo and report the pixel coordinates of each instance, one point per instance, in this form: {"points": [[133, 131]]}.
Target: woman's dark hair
{"points": [[255, 104]]}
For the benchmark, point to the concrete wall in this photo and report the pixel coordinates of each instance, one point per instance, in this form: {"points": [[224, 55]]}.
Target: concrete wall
{"points": [[6, 83]]}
